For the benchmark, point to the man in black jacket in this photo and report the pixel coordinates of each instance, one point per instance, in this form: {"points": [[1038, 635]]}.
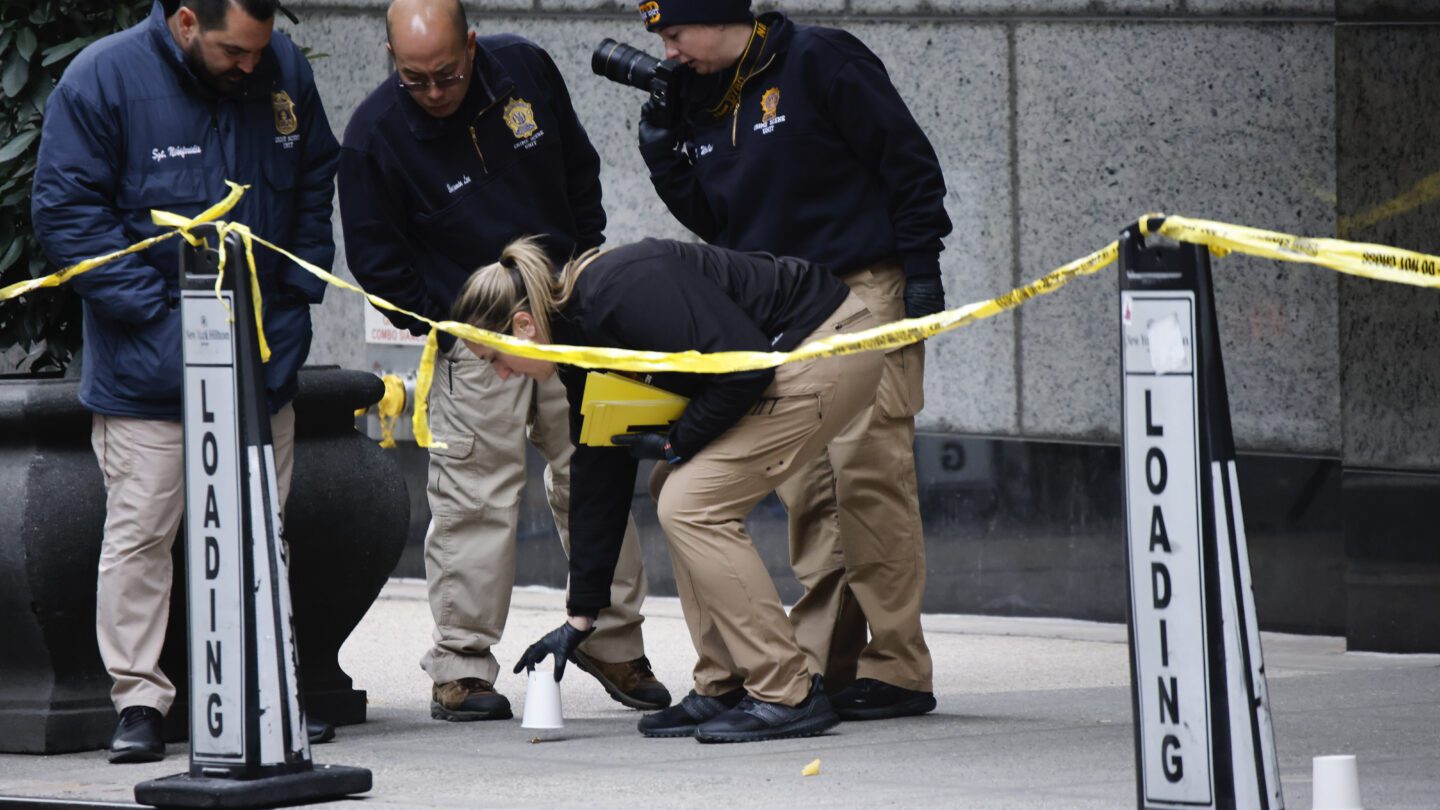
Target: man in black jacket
{"points": [[469, 144], [795, 142]]}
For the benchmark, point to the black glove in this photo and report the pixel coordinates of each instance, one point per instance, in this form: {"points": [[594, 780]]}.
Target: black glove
{"points": [[647, 445], [924, 295], [560, 642], [656, 141]]}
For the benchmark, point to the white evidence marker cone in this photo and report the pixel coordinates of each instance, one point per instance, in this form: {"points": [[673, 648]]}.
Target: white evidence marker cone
{"points": [[542, 699], [1336, 783]]}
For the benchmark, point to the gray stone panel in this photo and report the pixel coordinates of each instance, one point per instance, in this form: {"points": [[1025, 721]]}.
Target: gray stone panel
{"points": [[999, 7], [1387, 102], [1225, 122], [471, 6], [954, 77], [1387, 10], [1325, 8], [630, 7]]}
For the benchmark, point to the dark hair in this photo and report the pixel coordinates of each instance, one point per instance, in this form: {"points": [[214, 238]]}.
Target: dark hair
{"points": [[211, 13], [457, 18]]}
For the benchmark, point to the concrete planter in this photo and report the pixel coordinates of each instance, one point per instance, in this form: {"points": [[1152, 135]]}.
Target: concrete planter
{"points": [[345, 522]]}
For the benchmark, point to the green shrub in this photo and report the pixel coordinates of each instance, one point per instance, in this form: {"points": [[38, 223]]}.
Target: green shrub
{"points": [[38, 38]]}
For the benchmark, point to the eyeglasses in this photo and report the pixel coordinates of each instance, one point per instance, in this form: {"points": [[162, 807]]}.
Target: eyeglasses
{"points": [[425, 84]]}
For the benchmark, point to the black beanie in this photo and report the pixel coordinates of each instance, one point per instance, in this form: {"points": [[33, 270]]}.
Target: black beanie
{"points": [[660, 14]]}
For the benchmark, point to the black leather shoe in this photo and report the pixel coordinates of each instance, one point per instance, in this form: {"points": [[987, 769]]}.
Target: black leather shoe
{"points": [[755, 720], [319, 731], [137, 736], [681, 719], [869, 699]]}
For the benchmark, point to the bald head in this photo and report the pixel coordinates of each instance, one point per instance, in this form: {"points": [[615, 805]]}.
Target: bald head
{"points": [[425, 23]]}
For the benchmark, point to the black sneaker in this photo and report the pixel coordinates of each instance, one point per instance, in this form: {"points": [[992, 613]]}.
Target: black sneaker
{"points": [[681, 719], [755, 720], [869, 699], [137, 736]]}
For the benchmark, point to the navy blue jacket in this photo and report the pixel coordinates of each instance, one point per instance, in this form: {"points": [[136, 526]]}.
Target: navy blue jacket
{"points": [[821, 159], [130, 128], [425, 201], [671, 296]]}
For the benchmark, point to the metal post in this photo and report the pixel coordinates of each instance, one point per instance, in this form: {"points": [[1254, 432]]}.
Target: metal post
{"points": [[248, 742], [1203, 737]]}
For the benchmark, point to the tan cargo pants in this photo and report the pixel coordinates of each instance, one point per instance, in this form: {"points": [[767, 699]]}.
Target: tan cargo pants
{"points": [[856, 542], [143, 464], [741, 634], [474, 491]]}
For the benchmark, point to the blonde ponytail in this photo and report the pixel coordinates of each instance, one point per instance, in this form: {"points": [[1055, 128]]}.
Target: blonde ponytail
{"points": [[490, 298], [522, 281]]}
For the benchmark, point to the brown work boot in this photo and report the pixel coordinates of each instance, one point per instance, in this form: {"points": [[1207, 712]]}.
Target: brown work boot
{"points": [[468, 699], [628, 682]]}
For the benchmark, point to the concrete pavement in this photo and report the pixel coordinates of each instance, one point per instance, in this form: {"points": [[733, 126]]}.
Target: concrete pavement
{"points": [[1033, 713]]}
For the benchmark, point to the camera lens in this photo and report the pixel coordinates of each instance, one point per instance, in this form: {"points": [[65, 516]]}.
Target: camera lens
{"points": [[624, 64]]}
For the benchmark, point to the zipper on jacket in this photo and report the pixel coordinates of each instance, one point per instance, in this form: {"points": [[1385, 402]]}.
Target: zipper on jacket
{"points": [[475, 139], [735, 122], [220, 139], [475, 136]]}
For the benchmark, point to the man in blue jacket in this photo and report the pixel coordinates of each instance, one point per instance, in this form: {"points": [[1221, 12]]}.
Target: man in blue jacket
{"points": [[797, 143], [158, 117], [470, 144]]}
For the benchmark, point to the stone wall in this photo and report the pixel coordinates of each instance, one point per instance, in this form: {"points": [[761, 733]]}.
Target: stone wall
{"points": [[1056, 122]]}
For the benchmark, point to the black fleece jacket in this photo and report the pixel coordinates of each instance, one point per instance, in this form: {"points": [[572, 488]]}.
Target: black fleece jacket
{"points": [[821, 159], [661, 295], [425, 201]]}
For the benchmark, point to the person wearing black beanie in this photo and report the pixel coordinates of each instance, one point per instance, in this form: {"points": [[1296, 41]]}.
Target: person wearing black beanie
{"points": [[660, 14], [794, 141]]}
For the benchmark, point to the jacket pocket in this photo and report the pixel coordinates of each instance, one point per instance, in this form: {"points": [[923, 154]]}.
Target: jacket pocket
{"points": [[175, 189], [147, 360], [902, 383], [278, 213], [768, 439]]}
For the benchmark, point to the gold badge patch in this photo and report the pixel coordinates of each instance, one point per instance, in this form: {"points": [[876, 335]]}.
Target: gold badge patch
{"points": [[285, 121], [520, 117], [769, 104], [650, 12]]}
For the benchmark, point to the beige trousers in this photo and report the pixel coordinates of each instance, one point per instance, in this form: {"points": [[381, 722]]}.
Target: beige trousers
{"points": [[741, 634], [143, 463], [856, 542], [474, 489]]}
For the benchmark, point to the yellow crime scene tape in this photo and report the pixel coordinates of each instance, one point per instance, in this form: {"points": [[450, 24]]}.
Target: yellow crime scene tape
{"points": [[1372, 261]]}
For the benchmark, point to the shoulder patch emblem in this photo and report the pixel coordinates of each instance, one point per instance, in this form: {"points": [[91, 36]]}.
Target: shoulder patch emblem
{"points": [[769, 105], [520, 117], [285, 121]]}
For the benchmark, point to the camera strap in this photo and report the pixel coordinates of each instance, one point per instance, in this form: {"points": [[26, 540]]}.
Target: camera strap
{"points": [[744, 69]]}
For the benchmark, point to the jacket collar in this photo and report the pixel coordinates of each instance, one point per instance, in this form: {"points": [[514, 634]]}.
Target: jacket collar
{"points": [[265, 75], [489, 82], [710, 90]]}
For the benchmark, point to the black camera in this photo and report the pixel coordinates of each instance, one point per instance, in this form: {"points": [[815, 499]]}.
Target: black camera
{"points": [[663, 79]]}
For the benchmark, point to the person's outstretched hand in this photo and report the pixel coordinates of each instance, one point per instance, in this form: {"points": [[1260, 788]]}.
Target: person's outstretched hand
{"points": [[560, 642]]}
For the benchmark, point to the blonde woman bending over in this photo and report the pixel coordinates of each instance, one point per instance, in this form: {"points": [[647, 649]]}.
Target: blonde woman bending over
{"points": [[741, 435]]}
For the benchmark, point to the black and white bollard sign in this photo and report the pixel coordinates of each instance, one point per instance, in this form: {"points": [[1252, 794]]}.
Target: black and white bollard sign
{"points": [[1203, 737], [248, 742]]}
